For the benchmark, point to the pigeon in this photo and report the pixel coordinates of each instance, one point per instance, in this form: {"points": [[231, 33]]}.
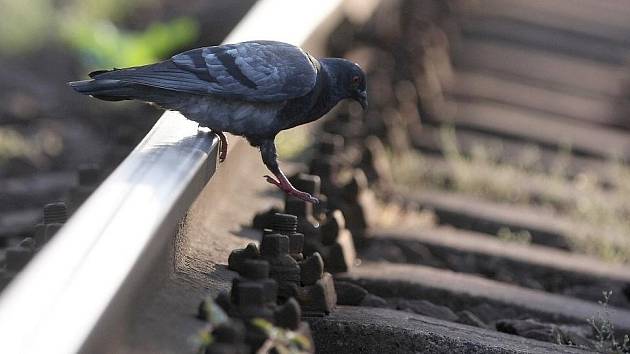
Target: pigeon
{"points": [[253, 89]]}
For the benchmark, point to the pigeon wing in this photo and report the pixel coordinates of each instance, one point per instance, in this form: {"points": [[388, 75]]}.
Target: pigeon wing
{"points": [[258, 71]]}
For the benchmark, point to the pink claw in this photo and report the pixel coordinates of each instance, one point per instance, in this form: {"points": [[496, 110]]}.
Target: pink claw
{"points": [[288, 188]]}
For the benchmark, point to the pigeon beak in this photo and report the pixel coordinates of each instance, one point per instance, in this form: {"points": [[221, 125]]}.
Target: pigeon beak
{"points": [[362, 99]]}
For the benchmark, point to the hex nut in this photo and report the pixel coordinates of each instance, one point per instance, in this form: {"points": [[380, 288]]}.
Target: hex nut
{"points": [[274, 245], [255, 269]]}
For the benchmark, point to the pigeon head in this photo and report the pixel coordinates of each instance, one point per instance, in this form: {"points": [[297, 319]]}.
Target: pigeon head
{"points": [[347, 80]]}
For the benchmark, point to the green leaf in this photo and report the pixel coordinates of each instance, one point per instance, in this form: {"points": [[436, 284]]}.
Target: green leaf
{"points": [[262, 324], [215, 313]]}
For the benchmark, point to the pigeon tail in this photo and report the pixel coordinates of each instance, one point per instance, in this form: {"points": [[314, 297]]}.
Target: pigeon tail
{"points": [[108, 90]]}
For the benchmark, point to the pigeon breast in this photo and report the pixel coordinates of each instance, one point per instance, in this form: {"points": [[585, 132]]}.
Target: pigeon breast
{"points": [[233, 116]]}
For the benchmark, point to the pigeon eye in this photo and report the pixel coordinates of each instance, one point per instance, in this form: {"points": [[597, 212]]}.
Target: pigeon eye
{"points": [[355, 81]]}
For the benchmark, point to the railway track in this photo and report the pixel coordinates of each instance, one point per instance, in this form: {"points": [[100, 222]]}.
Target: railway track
{"points": [[490, 226]]}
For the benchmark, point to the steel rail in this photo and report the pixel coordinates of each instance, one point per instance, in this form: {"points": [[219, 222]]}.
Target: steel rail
{"points": [[98, 259]]}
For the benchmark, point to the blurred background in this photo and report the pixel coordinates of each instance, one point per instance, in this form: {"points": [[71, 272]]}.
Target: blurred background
{"points": [[48, 133], [501, 124], [508, 104]]}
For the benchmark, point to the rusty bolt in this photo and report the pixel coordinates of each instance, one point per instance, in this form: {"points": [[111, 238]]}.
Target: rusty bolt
{"points": [[274, 245], [255, 269], [284, 223], [55, 213], [249, 294], [296, 243]]}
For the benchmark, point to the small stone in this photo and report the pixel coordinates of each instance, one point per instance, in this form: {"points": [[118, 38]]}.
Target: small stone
{"points": [[468, 318], [426, 308], [371, 300], [349, 293], [528, 328]]}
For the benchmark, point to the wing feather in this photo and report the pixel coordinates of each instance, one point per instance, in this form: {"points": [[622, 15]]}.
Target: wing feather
{"points": [[257, 71]]}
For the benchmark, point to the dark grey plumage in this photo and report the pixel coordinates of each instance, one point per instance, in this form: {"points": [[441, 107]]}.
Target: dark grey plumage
{"points": [[253, 89]]}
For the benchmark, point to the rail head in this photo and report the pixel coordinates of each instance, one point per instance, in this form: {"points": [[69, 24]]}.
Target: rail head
{"points": [[59, 299]]}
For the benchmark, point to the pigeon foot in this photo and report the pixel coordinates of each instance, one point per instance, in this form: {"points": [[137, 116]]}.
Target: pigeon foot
{"points": [[223, 147], [286, 186]]}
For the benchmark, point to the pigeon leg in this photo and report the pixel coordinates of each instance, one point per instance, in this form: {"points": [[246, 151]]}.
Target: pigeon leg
{"points": [[223, 147], [269, 157]]}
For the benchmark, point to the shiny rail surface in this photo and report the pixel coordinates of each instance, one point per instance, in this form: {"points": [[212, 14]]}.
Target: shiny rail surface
{"points": [[98, 259]]}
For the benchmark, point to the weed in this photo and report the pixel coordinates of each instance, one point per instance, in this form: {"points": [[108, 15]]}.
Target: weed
{"points": [[279, 340], [604, 330], [215, 316], [282, 341]]}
